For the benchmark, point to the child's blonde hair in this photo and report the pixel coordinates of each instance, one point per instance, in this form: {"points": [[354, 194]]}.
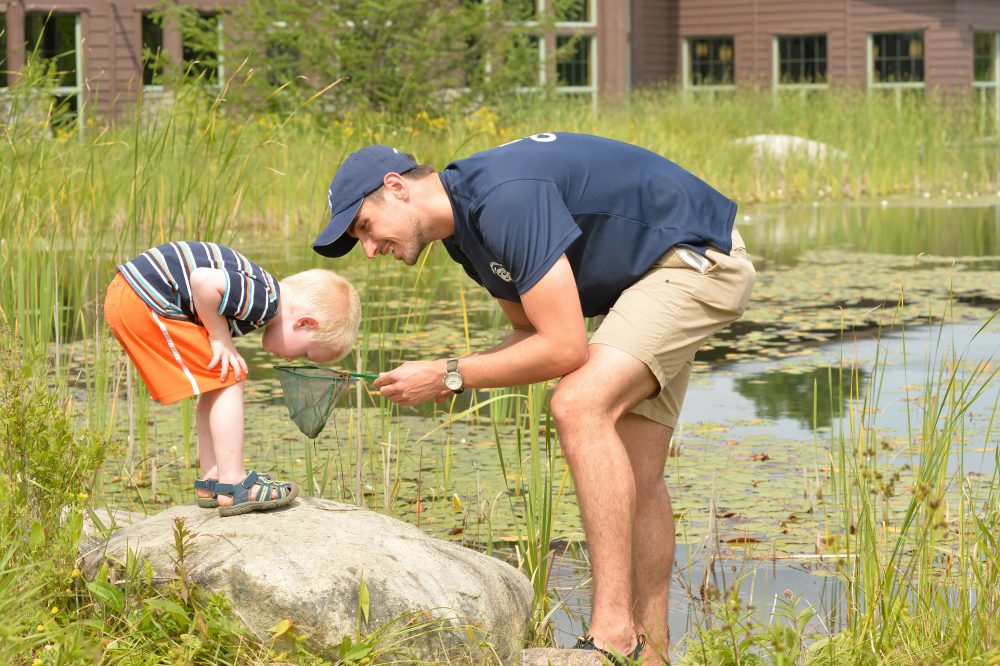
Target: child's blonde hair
{"points": [[335, 304]]}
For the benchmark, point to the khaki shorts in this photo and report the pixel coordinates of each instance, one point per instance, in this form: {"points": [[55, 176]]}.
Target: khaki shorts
{"points": [[671, 311]]}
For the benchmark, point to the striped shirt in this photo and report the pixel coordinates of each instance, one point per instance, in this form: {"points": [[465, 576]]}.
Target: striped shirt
{"points": [[161, 276]]}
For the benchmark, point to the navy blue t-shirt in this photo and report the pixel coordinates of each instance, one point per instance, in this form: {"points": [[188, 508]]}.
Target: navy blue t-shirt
{"points": [[611, 207]]}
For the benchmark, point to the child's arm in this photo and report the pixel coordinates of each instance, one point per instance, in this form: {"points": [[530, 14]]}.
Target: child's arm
{"points": [[208, 286]]}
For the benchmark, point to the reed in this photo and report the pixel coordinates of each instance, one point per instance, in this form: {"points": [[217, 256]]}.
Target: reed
{"points": [[203, 166]]}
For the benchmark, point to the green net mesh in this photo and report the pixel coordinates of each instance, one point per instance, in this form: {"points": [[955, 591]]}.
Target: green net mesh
{"points": [[310, 393]]}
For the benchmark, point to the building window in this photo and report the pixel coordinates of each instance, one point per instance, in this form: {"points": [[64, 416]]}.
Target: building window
{"points": [[52, 37], [897, 58], [710, 61], [575, 11], [526, 58], [986, 77], [152, 48], [801, 60], [522, 10], [201, 38], [282, 50], [3, 50], [55, 38], [573, 61], [984, 58]]}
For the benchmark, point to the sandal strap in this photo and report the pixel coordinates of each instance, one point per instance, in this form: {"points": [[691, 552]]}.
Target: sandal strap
{"points": [[265, 488], [241, 492], [205, 484], [586, 642]]}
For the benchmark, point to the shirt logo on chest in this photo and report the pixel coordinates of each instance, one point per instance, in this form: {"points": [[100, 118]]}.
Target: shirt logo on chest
{"points": [[500, 271]]}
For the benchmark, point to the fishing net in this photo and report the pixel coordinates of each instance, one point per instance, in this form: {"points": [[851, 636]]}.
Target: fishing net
{"points": [[310, 393]]}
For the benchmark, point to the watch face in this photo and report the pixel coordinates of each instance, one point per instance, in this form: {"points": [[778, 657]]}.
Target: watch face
{"points": [[453, 381]]}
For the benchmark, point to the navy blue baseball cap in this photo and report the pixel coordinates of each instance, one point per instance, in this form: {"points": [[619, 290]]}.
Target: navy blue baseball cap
{"points": [[360, 175]]}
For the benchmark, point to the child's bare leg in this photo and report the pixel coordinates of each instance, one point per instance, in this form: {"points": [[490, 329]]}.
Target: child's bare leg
{"points": [[220, 414], [207, 466]]}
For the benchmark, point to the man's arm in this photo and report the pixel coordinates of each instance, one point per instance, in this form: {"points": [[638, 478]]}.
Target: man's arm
{"points": [[549, 340], [208, 286]]}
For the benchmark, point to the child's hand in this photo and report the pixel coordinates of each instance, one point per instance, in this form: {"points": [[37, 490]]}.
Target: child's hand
{"points": [[224, 351]]}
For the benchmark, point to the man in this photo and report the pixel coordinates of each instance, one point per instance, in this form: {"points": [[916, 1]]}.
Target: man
{"points": [[559, 227]]}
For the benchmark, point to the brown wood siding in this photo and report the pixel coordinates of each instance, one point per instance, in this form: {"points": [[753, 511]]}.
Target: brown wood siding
{"points": [[948, 27], [112, 45], [612, 48], [654, 41]]}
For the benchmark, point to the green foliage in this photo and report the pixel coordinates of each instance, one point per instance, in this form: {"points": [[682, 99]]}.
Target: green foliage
{"points": [[47, 462], [143, 621], [47, 465], [730, 637], [394, 56]]}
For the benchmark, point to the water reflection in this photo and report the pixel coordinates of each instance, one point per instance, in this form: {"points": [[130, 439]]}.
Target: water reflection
{"points": [[763, 586], [781, 234], [810, 398]]}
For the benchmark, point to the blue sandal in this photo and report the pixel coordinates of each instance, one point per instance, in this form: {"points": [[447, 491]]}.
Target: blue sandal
{"points": [[209, 485], [245, 499]]}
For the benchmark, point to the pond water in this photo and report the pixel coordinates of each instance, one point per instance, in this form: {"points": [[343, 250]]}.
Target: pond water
{"points": [[839, 286], [776, 396]]}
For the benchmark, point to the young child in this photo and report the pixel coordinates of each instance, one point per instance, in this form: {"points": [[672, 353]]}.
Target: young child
{"points": [[176, 309]]}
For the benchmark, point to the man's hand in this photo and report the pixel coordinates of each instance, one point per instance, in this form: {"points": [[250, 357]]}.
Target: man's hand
{"points": [[224, 352], [414, 382]]}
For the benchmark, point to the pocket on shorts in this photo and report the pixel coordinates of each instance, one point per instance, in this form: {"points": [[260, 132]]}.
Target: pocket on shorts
{"points": [[728, 283]]}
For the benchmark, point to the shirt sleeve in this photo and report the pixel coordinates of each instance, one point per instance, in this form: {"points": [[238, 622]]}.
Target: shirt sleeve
{"points": [[249, 299], [526, 225]]}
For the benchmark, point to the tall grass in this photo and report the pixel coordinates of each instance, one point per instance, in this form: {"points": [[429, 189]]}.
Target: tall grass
{"points": [[916, 546], [203, 166], [924, 586]]}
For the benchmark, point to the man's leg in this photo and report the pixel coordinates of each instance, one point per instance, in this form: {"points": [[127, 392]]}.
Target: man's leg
{"points": [[586, 406], [646, 443]]}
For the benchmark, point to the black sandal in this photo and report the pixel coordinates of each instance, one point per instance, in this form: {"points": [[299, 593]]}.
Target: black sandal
{"points": [[587, 643]]}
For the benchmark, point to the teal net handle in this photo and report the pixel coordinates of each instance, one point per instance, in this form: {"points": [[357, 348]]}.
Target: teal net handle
{"points": [[293, 368], [363, 375]]}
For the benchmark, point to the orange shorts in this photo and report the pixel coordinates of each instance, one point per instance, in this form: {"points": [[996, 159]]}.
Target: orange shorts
{"points": [[171, 356]]}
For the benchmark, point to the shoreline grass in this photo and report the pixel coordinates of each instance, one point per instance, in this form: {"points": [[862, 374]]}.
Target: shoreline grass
{"points": [[74, 205]]}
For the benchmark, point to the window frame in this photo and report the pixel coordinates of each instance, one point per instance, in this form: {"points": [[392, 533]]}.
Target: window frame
{"points": [[582, 30], [78, 64], [777, 84], [220, 70], [4, 68], [982, 89], [895, 85], [591, 64], [687, 63], [995, 81], [590, 23], [154, 88]]}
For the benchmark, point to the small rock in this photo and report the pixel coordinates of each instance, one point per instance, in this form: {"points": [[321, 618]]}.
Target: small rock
{"points": [[556, 657]]}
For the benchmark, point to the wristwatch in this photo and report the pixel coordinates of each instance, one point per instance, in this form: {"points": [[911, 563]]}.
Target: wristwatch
{"points": [[452, 378]]}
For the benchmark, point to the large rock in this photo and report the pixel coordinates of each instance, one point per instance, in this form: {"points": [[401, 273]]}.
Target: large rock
{"points": [[783, 146], [305, 563]]}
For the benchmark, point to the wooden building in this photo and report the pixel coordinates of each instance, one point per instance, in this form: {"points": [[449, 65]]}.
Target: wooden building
{"points": [[101, 48], [605, 47], [935, 44]]}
